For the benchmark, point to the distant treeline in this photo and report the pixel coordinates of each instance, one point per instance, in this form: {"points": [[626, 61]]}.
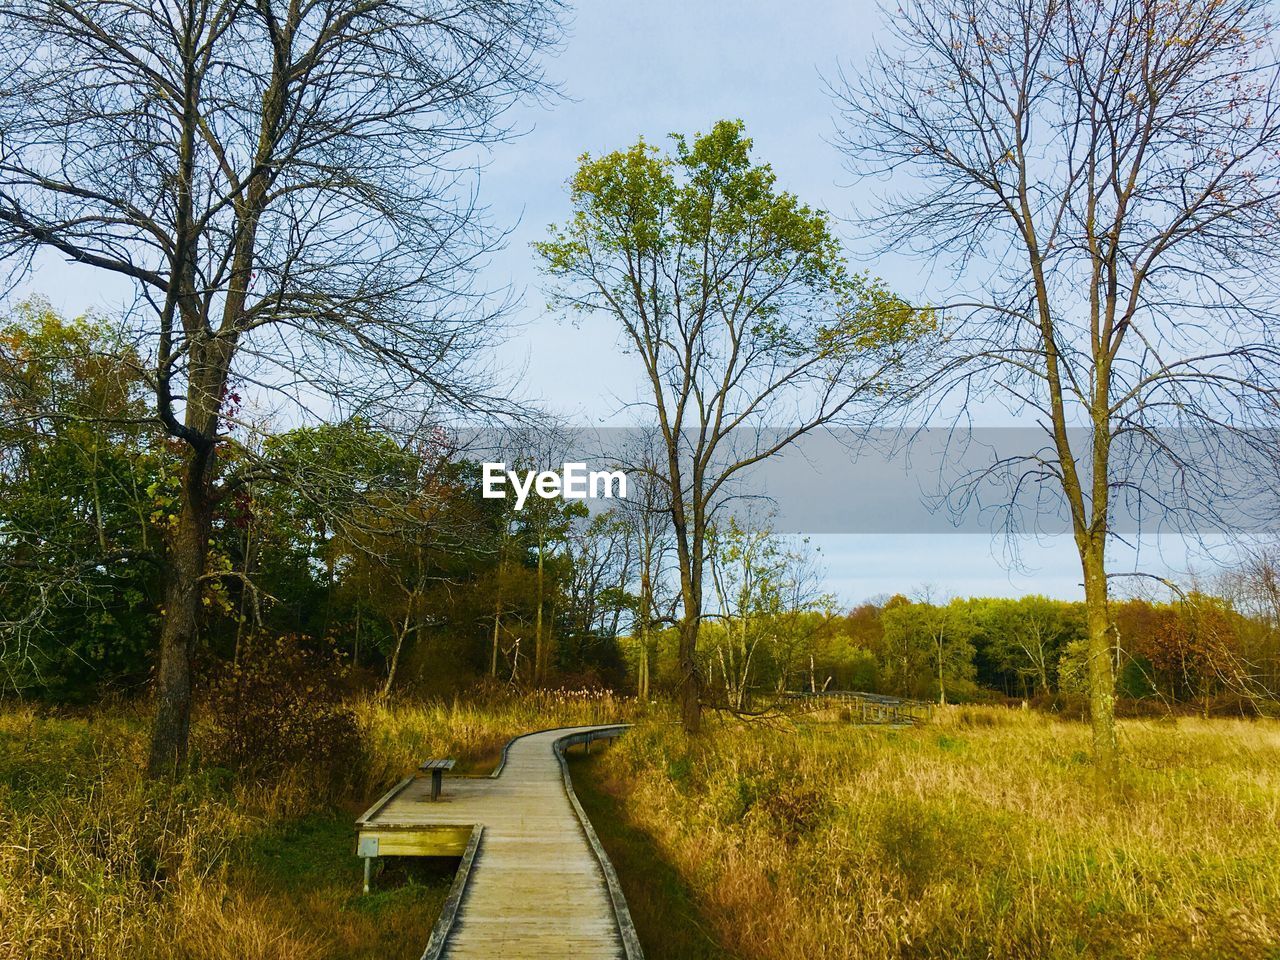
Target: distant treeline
{"points": [[1210, 651], [348, 537]]}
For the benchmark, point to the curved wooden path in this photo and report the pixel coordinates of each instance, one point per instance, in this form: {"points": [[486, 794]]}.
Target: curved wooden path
{"points": [[534, 881]]}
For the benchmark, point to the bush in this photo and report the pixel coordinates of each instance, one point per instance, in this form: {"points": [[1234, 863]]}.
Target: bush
{"points": [[281, 706]]}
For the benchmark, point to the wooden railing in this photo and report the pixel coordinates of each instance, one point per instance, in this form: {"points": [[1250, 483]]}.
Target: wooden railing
{"points": [[866, 707], [622, 915]]}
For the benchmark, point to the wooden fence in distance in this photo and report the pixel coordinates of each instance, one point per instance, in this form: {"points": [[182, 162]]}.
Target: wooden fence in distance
{"points": [[865, 707]]}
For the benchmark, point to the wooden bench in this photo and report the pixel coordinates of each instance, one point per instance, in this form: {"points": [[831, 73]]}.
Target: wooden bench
{"points": [[436, 768]]}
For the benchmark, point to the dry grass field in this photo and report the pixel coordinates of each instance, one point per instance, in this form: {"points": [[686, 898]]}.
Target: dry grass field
{"points": [[96, 862], [987, 834]]}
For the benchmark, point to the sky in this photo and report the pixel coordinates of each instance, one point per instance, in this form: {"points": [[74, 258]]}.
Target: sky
{"points": [[632, 69], [628, 69]]}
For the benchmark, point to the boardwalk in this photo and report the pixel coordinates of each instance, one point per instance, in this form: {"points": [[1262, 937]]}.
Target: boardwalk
{"points": [[867, 707], [537, 886]]}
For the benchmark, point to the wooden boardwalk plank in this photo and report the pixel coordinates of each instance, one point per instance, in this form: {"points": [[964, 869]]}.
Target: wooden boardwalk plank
{"points": [[536, 888]]}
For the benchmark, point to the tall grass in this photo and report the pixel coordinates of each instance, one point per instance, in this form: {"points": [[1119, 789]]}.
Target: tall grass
{"points": [[473, 731], [986, 834], [93, 860], [97, 862]]}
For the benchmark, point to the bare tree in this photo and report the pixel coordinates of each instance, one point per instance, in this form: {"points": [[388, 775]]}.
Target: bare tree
{"points": [[1104, 175], [286, 184], [735, 300], [1259, 585], [600, 555]]}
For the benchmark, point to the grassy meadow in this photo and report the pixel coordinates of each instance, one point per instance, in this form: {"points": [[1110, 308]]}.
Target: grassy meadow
{"points": [[986, 834], [96, 862]]}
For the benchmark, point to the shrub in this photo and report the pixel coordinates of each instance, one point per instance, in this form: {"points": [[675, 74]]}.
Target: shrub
{"points": [[280, 706]]}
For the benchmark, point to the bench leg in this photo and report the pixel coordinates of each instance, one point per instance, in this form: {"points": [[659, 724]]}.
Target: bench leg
{"points": [[437, 778]]}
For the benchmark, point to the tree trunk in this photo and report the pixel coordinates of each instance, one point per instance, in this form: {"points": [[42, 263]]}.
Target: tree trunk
{"points": [[642, 687], [745, 680], [209, 357], [642, 684], [493, 654], [330, 566], [538, 653], [497, 622], [689, 553], [690, 683], [939, 646], [188, 547], [395, 659], [246, 596], [942, 687], [1102, 681]]}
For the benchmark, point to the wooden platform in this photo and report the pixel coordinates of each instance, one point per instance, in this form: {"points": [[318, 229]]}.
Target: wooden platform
{"points": [[534, 881]]}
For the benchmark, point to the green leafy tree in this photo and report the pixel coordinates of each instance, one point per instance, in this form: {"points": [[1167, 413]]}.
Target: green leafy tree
{"points": [[293, 505], [1020, 642], [768, 608], [847, 656], [408, 552], [929, 646], [736, 302], [83, 506], [546, 525]]}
